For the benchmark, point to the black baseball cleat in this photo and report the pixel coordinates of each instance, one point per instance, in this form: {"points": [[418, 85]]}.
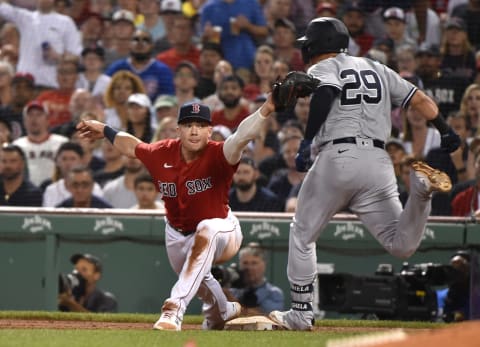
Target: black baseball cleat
{"points": [[434, 179]]}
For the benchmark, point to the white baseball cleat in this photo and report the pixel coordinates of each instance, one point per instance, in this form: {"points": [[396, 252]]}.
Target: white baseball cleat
{"points": [[279, 317], [435, 180], [234, 309], [293, 320], [168, 321]]}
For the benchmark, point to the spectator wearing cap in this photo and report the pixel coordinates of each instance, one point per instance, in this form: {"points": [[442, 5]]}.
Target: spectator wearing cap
{"points": [[139, 117], [123, 27], [246, 195], [210, 54], [284, 36], [91, 29], [263, 78], [45, 37], [152, 21], [326, 9], [56, 101], [360, 40], [183, 46], [131, 6], [92, 77], [169, 11], [23, 90], [220, 133], [186, 80], [92, 299], [157, 77], [39, 145], [396, 27], [165, 106], [248, 24], [446, 89], [458, 56], [469, 11], [15, 188], [230, 93]]}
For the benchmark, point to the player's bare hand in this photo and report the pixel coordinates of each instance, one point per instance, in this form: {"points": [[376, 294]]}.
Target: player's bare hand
{"points": [[90, 129], [268, 106]]}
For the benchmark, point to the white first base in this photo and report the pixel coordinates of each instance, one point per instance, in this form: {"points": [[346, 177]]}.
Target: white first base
{"points": [[252, 323]]}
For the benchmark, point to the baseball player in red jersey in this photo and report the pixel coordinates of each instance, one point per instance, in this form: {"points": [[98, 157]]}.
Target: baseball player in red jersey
{"points": [[193, 174]]}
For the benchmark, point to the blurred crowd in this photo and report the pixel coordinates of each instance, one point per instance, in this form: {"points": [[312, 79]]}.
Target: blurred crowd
{"points": [[132, 63]]}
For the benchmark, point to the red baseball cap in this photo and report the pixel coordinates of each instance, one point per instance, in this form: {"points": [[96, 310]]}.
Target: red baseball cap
{"points": [[34, 104]]}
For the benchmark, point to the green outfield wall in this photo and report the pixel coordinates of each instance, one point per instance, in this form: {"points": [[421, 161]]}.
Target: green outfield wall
{"points": [[36, 244]]}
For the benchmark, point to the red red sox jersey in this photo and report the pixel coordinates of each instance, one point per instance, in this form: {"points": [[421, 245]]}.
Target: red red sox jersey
{"points": [[191, 191]]}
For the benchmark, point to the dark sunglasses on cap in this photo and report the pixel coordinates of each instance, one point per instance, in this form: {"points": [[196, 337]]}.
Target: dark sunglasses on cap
{"points": [[142, 39]]}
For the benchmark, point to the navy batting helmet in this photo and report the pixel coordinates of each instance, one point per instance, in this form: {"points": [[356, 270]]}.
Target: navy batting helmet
{"points": [[324, 35]]}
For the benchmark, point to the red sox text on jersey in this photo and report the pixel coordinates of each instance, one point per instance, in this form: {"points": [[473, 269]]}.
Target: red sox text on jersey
{"points": [[169, 189]]}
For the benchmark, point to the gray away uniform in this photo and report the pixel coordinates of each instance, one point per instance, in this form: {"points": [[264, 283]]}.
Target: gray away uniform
{"points": [[356, 175]]}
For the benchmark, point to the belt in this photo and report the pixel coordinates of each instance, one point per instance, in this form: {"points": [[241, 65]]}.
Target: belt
{"points": [[181, 231], [376, 143]]}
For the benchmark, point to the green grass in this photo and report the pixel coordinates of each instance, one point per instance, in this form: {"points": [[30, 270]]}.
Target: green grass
{"points": [[128, 338]]}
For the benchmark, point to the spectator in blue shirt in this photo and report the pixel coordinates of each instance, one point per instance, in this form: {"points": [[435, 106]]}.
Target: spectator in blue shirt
{"points": [[157, 77], [242, 23]]}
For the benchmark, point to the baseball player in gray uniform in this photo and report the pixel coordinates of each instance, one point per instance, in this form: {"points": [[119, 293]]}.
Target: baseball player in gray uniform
{"points": [[348, 124]]}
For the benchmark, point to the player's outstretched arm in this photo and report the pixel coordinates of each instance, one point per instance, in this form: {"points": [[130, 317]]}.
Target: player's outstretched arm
{"points": [[248, 130], [124, 142]]}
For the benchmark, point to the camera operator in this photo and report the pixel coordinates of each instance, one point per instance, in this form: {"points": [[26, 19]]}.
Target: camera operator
{"points": [[80, 292], [454, 301], [256, 295]]}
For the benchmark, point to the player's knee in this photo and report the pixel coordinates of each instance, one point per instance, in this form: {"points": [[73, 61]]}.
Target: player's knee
{"points": [[204, 231]]}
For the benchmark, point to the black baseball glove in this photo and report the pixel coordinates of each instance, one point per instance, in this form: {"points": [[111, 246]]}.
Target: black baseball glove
{"points": [[296, 84]]}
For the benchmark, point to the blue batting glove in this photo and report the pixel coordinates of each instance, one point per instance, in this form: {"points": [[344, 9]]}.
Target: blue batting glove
{"points": [[303, 162]]}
